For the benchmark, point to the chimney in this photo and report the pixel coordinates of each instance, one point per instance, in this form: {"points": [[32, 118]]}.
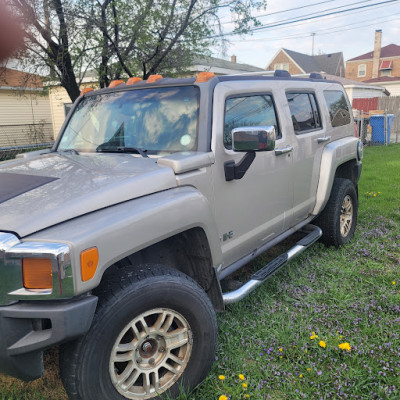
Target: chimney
{"points": [[377, 53], [233, 59]]}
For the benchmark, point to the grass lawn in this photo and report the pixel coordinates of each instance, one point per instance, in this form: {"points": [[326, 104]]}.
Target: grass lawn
{"points": [[284, 338]]}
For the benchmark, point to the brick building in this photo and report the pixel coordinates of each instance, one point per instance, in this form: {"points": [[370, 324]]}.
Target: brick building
{"points": [[377, 65]]}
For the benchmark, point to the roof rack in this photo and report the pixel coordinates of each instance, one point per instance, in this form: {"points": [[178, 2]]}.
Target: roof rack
{"points": [[279, 72]]}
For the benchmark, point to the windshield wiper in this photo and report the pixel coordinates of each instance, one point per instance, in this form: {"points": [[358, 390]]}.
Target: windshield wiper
{"points": [[122, 149]]}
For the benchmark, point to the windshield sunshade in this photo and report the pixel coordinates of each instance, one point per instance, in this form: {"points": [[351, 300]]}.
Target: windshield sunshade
{"points": [[153, 120]]}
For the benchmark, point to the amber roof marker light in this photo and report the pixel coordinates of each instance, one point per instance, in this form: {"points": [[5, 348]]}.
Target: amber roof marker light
{"points": [[115, 83], [134, 80], [86, 90], [205, 77], [154, 78]]}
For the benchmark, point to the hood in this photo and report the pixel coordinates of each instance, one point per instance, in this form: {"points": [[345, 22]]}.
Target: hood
{"points": [[42, 191]]}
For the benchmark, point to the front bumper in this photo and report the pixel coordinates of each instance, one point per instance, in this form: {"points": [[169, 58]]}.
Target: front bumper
{"points": [[28, 328]]}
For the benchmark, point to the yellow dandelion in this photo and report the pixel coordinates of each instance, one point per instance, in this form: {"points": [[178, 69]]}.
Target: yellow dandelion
{"points": [[345, 346], [374, 194], [241, 377], [222, 397], [221, 377], [312, 337], [280, 356], [280, 349], [246, 396], [308, 369], [340, 336], [393, 282], [244, 385], [322, 344], [301, 375], [379, 192]]}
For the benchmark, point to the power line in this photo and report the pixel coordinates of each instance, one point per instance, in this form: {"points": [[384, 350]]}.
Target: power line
{"points": [[273, 25], [305, 15], [317, 31]]}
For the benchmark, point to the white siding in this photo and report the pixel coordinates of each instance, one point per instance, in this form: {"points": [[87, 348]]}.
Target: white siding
{"points": [[393, 88], [58, 97], [25, 118], [361, 93], [17, 109]]}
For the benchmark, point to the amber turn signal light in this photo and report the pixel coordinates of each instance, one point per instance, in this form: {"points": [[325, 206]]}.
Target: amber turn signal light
{"points": [[89, 262], [113, 84], [37, 273], [154, 78], [204, 76], [133, 80]]}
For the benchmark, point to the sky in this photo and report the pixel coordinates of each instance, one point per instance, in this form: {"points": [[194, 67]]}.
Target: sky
{"points": [[349, 31]]}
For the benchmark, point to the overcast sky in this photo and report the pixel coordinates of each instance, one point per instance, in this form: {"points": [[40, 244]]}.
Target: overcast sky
{"points": [[351, 32]]}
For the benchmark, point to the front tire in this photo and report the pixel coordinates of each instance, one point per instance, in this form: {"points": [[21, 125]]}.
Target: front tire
{"points": [[152, 333], [338, 220]]}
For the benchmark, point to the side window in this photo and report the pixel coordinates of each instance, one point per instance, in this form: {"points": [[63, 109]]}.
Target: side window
{"points": [[338, 108], [248, 111], [304, 111]]}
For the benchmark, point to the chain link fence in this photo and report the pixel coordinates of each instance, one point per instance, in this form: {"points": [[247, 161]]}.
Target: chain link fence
{"points": [[378, 129], [23, 135], [9, 153]]}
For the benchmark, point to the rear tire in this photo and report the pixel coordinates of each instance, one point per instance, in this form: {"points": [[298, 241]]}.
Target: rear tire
{"points": [[338, 220], [154, 331]]}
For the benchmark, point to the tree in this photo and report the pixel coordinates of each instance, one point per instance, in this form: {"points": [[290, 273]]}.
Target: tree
{"points": [[122, 37], [55, 41], [160, 35]]}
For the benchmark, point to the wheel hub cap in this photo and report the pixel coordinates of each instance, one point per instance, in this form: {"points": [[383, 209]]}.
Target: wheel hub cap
{"points": [[150, 354], [346, 216]]}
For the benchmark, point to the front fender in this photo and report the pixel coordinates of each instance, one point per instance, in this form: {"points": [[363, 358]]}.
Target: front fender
{"points": [[126, 228], [335, 154]]}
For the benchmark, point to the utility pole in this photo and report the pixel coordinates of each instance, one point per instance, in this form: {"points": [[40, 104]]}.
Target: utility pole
{"points": [[312, 52]]}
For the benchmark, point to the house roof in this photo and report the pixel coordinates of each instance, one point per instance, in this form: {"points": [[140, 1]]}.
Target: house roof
{"points": [[17, 79], [383, 79], [361, 85], [323, 62], [220, 63], [391, 50]]}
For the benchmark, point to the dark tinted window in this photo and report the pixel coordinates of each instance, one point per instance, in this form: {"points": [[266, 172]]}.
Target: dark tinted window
{"points": [[338, 108], [304, 111], [248, 111]]}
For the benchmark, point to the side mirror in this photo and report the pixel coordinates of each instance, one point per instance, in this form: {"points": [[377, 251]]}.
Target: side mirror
{"points": [[253, 138]]}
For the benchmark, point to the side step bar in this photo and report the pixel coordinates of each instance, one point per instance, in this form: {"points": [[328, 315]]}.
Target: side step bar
{"points": [[313, 234]]}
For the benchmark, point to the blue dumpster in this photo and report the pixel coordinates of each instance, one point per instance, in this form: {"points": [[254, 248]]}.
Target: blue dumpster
{"points": [[377, 123]]}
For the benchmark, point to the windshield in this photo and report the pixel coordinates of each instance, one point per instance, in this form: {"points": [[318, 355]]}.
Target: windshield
{"points": [[153, 120]]}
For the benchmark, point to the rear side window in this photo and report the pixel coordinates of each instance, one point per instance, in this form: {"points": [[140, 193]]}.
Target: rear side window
{"points": [[256, 110], [304, 111], [338, 108]]}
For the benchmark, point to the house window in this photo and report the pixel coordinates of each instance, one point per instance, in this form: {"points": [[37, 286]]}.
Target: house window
{"points": [[386, 67], [284, 66], [386, 72], [67, 108], [362, 70]]}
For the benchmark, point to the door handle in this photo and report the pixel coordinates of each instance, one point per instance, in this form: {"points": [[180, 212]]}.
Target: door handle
{"points": [[283, 150], [323, 139]]}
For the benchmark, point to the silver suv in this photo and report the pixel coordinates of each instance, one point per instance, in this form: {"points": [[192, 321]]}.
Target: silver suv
{"points": [[115, 242]]}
